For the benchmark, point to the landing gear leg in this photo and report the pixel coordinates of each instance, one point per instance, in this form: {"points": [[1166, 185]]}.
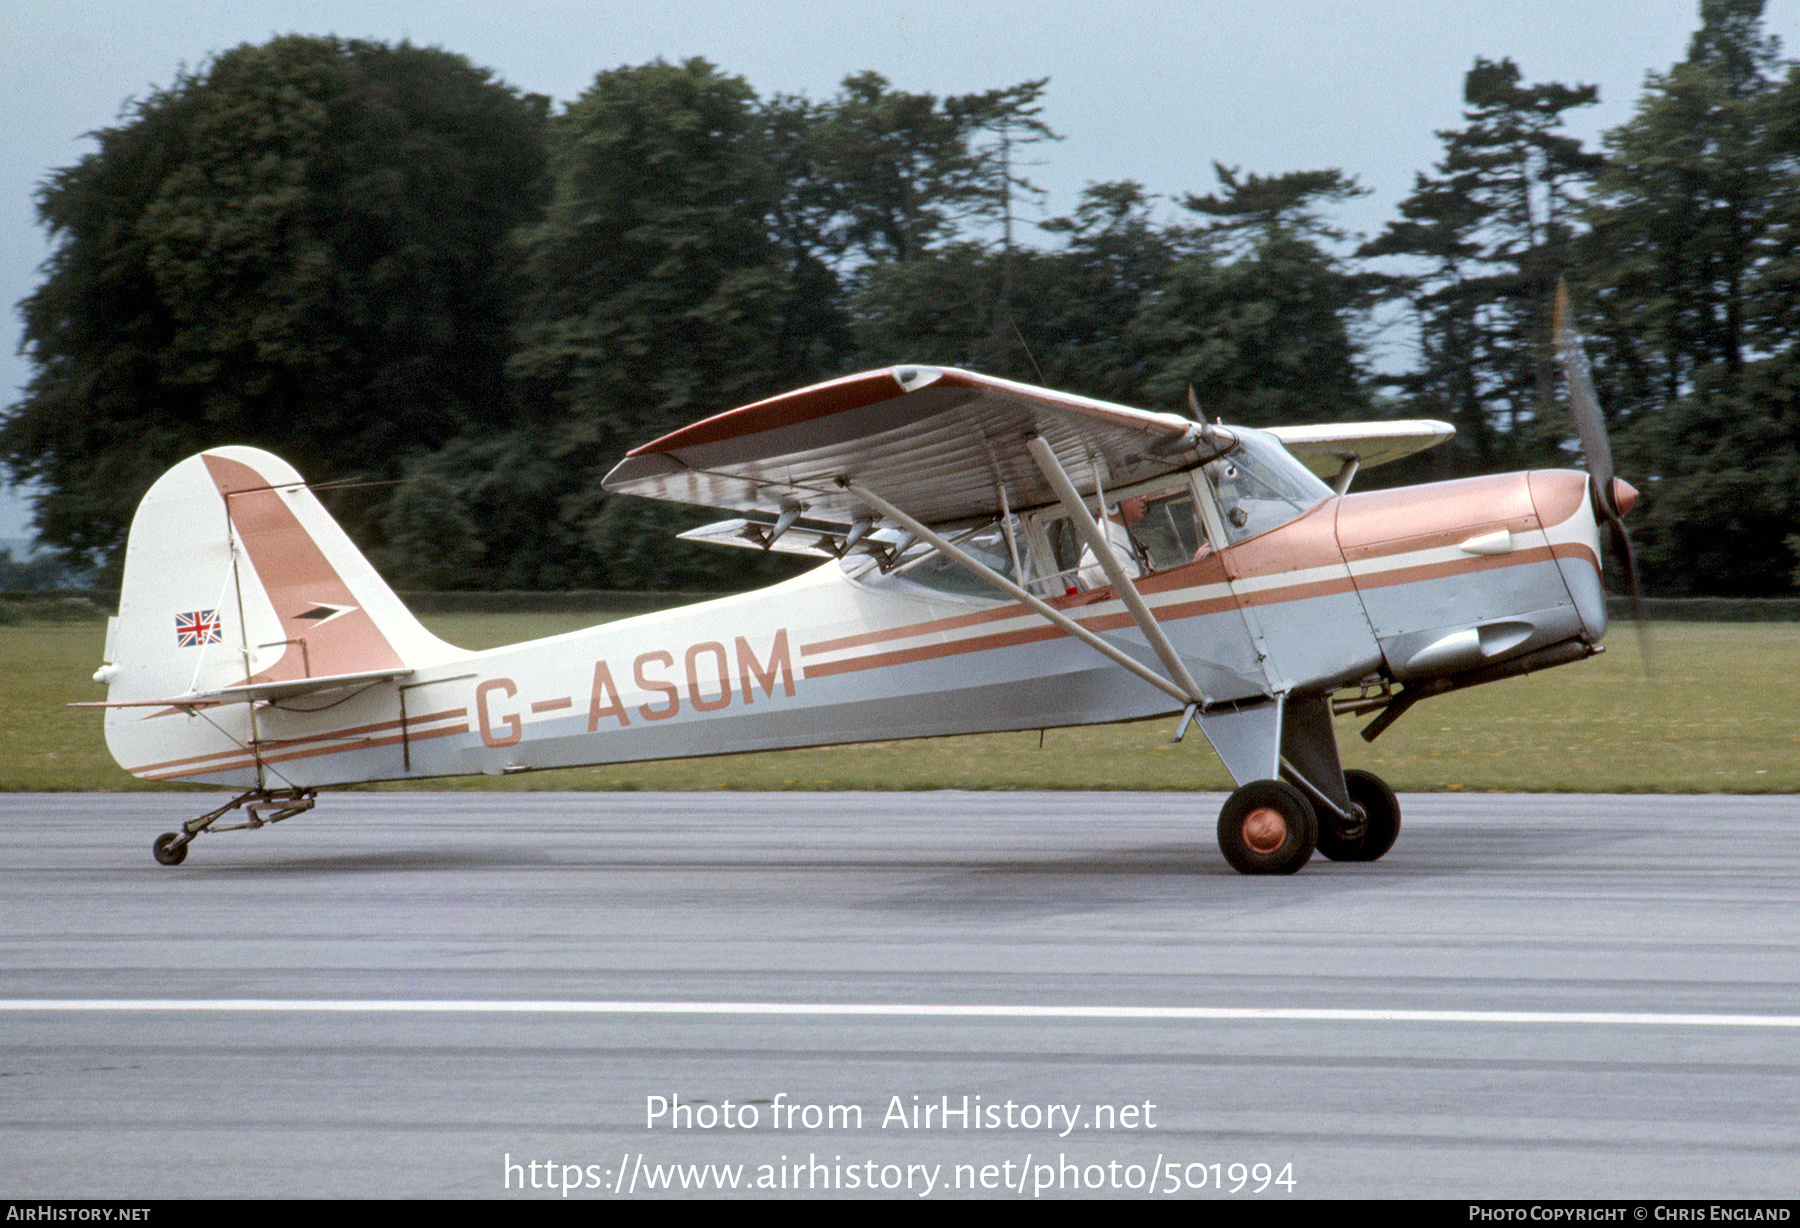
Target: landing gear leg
{"points": [[170, 848], [1268, 827]]}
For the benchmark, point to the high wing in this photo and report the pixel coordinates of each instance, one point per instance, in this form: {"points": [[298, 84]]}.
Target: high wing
{"points": [[1335, 450], [944, 444]]}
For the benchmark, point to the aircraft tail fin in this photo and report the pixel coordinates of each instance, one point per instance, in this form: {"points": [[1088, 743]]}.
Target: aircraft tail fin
{"points": [[238, 580]]}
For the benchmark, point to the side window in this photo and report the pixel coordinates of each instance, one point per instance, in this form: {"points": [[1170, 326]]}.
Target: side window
{"points": [[1148, 534], [924, 566], [1055, 568], [1170, 532]]}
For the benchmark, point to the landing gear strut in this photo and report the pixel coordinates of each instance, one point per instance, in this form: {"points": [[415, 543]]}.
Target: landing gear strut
{"points": [[170, 848], [1268, 827]]}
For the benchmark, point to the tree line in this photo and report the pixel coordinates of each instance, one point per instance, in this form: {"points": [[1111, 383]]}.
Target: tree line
{"points": [[462, 304]]}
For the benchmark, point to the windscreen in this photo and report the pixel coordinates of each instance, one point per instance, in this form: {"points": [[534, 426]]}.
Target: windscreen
{"points": [[1260, 486]]}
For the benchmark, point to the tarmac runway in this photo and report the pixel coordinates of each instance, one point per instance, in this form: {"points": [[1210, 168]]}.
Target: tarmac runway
{"points": [[914, 995]]}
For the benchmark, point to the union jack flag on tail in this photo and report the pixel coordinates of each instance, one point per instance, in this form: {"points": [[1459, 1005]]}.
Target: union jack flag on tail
{"points": [[200, 627]]}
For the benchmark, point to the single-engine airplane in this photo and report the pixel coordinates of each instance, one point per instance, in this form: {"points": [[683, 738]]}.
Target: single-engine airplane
{"points": [[973, 579]]}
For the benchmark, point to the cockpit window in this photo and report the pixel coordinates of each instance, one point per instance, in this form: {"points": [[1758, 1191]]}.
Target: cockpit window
{"points": [[1169, 532], [1146, 533], [933, 570], [922, 565], [1042, 551], [1260, 486]]}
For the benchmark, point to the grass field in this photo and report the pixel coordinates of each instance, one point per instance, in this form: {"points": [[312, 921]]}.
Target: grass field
{"points": [[1720, 713]]}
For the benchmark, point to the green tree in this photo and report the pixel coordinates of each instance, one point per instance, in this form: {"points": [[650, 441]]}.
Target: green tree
{"points": [[1073, 304], [1685, 214], [663, 285], [432, 542], [1260, 317], [1251, 310], [940, 308], [1694, 301], [39, 574], [906, 174], [1255, 209], [300, 246], [814, 328], [1263, 340], [1492, 230], [1114, 261], [1010, 120], [930, 192]]}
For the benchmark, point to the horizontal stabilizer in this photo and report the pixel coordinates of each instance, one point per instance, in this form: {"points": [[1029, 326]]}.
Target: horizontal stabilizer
{"points": [[252, 692]]}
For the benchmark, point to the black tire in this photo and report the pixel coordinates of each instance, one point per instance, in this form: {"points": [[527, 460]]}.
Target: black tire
{"points": [[1379, 811], [167, 851], [1268, 827]]}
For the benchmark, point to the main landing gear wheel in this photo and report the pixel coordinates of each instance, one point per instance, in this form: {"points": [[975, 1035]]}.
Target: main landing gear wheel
{"points": [[1377, 812], [170, 849], [1268, 827]]}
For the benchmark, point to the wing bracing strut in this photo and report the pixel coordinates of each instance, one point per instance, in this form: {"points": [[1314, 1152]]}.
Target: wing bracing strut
{"points": [[1089, 528], [1038, 606]]}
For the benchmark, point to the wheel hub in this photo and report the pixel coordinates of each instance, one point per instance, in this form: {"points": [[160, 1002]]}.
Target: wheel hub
{"points": [[1264, 829]]}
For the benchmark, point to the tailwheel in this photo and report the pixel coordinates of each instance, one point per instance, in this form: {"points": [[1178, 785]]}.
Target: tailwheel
{"points": [[1268, 827], [1376, 825], [170, 848]]}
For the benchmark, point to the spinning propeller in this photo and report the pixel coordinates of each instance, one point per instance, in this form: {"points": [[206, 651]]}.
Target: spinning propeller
{"points": [[1613, 496]]}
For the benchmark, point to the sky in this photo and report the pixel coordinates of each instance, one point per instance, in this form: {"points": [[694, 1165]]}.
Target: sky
{"points": [[1151, 90]]}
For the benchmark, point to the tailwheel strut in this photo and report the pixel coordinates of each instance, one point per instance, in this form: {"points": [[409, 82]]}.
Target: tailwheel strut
{"points": [[170, 848]]}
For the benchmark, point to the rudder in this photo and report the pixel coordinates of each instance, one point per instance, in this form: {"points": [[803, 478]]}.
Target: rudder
{"points": [[236, 574]]}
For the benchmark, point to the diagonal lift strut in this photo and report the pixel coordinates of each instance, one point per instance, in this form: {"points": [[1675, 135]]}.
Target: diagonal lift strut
{"points": [[1038, 606], [1101, 549]]}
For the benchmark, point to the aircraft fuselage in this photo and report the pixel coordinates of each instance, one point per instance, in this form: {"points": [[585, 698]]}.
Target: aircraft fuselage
{"points": [[1389, 586]]}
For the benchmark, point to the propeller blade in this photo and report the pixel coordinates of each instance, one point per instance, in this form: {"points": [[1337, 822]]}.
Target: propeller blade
{"points": [[1621, 541], [1621, 548], [1612, 497], [1584, 406]]}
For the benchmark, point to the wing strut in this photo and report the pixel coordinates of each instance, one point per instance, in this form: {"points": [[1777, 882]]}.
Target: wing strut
{"points": [[1037, 605], [1102, 551]]}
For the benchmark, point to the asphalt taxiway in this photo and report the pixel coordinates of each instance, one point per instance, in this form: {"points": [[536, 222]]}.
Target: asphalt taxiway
{"points": [[476, 994]]}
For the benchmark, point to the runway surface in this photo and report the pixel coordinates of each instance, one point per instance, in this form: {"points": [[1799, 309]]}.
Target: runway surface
{"points": [[447, 994]]}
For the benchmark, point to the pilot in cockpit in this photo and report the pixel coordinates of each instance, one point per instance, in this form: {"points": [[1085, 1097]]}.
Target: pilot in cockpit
{"points": [[1121, 541]]}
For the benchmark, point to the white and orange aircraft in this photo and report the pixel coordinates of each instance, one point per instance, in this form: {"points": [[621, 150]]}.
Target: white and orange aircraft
{"points": [[974, 580]]}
